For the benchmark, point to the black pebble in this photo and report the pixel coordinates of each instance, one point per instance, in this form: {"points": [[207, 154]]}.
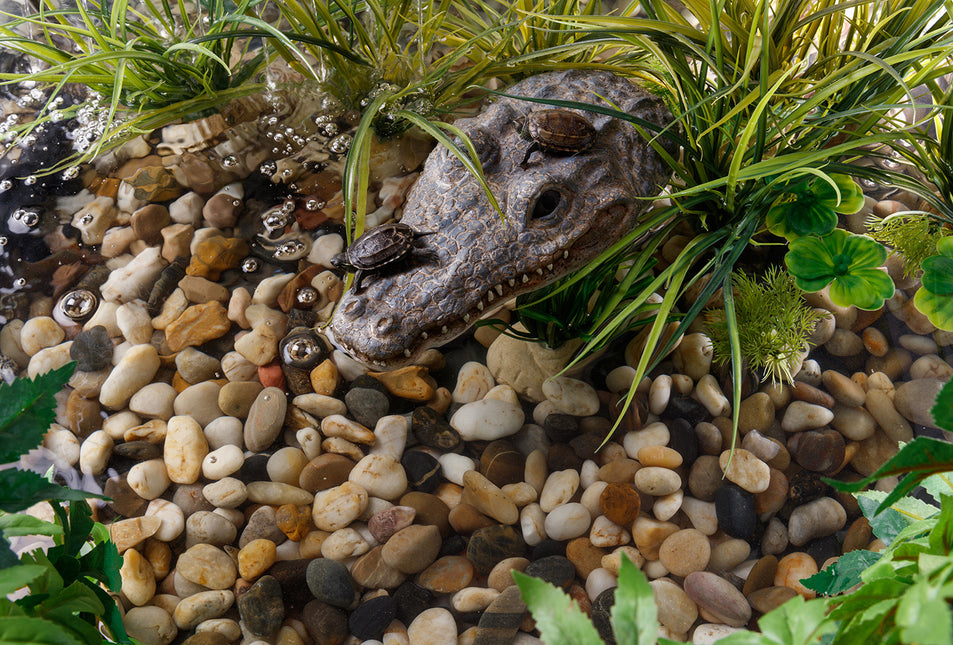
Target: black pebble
{"points": [[423, 470], [561, 428], [554, 569], [411, 599], [601, 615], [369, 620], [682, 407], [92, 349], [735, 510], [433, 431], [683, 440], [367, 406]]}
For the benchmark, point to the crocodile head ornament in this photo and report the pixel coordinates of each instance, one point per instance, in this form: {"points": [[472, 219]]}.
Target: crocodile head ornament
{"points": [[562, 207]]}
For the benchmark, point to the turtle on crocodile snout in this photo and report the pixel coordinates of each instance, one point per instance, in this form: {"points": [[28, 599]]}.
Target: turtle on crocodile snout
{"points": [[556, 131], [560, 212], [376, 249]]}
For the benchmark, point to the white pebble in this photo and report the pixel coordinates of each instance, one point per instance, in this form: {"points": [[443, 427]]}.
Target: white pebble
{"points": [[487, 420], [533, 524], [154, 401], [571, 396], [453, 466], [474, 380], [654, 434], [660, 393], [171, 517], [568, 521], [710, 395], [227, 492], [598, 581], [559, 488], [148, 479], [94, 453]]}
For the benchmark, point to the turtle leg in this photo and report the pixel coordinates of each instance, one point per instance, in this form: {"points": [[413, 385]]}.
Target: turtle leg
{"points": [[533, 147], [358, 277]]}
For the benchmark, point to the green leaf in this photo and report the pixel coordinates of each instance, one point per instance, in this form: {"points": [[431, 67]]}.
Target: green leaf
{"points": [[796, 622], [17, 524], [917, 460], [634, 614], [22, 630], [7, 557], [888, 523], [27, 411], [17, 577], [937, 308], [938, 275], [851, 196], [941, 537], [942, 410], [843, 574], [923, 616], [76, 598], [939, 484], [558, 618], [21, 489]]}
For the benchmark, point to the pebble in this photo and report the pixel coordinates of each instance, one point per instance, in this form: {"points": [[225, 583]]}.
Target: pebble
{"points": [[370, 619], [718, 597], [571, 396], [138, 579], [227, 492], [881, 407], [134, 371], [568, 521], [800, 416], [265, 418], [913, 399], [276, 493], [855, 424], [685, 552], [380, 476], [150, 625], [448, 574], [489, 545], [736, 512], [487, 420], [343, 544], [185, 449], [620, 503], [337, 507], [434, 626], [502, 463], [255, 558], [199, 401], [330, 582], [487, 498], [325, 471], [654, 434], [653, 480], [818, 518], [262, 608], [745, 469], [92, 349], [559, 488], [170, 516], [326, 625], [412, 549], [793, 568], [207, 528], [208, 566], [676, 610], [202, 606], [148, 479], [474, 380], [818, 450], [197, 325]]}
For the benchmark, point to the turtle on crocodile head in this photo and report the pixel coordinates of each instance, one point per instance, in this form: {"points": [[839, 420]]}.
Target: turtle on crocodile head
{"points": [[561, 210]]}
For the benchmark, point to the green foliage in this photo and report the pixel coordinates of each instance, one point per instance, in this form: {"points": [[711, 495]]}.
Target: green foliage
{"points": [[934, 298], [942, 410], [849, 263], [913, 236], [773, 324], [810, 206], [66, 602]]}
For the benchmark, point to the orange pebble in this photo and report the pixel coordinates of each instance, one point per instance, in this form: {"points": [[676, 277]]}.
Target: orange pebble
{"points": [[270, 375], [793, 568], [661, 456]]}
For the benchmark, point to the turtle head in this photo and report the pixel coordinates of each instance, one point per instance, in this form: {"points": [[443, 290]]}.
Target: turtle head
{"points": [[339, 261]]}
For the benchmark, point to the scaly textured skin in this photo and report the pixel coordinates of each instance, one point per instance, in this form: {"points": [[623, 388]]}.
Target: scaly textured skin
{"points": [[473, 261]]}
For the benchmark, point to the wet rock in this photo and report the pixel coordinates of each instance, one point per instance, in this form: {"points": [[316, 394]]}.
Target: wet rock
{"points": [[736, 512], [718, 598], [433, 431], [818, 450], [261, 607], [92, 349], [366, 406], [502, 619], [422, 469], [330, 582], [326, 624], [265, 418], [489, 545]]}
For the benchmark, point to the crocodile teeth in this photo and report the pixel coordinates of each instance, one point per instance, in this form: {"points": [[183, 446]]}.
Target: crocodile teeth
{"points": [[480, 306], [539, 271], [525, 278], [466, 317], [499, 289], [549, 267], [424, 335], [512, 283], [565, 255], [443, 329], [489, 296], [407, 353]]}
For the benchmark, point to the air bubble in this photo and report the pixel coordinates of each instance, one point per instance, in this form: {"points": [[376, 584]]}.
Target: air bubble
{"points": [[340, 144], [230, 161]]}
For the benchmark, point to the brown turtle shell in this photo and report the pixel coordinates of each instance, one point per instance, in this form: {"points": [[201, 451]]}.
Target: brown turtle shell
{"points": [[380, 246]]}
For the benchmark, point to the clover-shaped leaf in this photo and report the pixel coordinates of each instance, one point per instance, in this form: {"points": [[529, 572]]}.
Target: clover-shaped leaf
{"points": [[849, 263], [811, 207], [935, 298]]}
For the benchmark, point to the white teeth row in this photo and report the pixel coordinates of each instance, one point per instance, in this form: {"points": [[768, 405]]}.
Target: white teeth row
{"points": [[490, 297]]}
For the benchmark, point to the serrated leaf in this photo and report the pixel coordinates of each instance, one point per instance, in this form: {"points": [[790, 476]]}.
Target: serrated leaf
{"points": [[23, 630], [17, 577], [634, 613], [27, 411], [843, 574], [558, 618], [938, 485], [796, 622], [76, 598], [942, 410], [21, 489], [885, 524], [7, 557], [112, 617], [17, 524]]}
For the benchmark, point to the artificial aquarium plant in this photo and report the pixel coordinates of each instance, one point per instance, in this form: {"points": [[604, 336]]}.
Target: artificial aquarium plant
{"points": [[68, 602]]}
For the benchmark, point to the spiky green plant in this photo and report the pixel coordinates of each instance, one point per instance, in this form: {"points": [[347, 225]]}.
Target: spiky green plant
{"points": [[913, 236], [774, 324]]}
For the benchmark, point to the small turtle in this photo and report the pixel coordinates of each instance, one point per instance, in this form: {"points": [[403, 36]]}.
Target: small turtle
{"points": [[557, 132], [377, 248]]}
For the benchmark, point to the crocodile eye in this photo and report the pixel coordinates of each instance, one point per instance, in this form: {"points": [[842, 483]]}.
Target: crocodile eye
{"points": [[546, 204]]}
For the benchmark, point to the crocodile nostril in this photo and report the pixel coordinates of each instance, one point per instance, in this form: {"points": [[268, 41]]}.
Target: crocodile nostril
{"points": [[354, 308], [385, 324]]}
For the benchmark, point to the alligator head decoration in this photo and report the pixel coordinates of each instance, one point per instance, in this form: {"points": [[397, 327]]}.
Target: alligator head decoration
{"points": [[561, 210]]}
